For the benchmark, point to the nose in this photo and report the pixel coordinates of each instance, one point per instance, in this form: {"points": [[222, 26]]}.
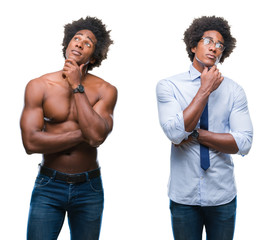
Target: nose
{"points": [[212, 47], [79, 44]]}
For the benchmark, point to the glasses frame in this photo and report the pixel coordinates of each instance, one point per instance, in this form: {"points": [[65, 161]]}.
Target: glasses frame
{"points": [[217, 45]]}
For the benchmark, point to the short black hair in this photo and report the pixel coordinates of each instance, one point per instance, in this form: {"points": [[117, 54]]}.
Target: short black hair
{"points": [[102, 36], [206, 23]]}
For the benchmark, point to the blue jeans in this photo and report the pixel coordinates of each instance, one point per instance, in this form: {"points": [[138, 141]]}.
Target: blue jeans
{"points": [[51, 199], [188, 221]]}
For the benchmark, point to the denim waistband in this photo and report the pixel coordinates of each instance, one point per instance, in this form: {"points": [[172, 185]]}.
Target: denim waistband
{"points": [[70, 178]]}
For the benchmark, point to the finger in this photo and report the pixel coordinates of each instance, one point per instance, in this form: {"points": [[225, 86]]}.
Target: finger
{"points": [[68, 64], [205, 69], [71, 61], [65, 69], [81, 67], [213, 69]]}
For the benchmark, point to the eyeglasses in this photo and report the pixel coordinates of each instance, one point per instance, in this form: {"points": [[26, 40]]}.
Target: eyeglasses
{"points": [[209, 41]]}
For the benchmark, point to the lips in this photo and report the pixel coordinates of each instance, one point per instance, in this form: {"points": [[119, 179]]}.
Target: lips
{"points": [[210, 56], [77, 53]]}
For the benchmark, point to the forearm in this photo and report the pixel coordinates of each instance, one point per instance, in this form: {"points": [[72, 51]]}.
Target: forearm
{"points": [[222, 142], [47, 143], [210, 81], [94, 128], [192, 113]]}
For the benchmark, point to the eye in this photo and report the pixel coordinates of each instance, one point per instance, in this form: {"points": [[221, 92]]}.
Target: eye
{"points": [[88, 44], [76, 38], [219, 45], [207, 41]]}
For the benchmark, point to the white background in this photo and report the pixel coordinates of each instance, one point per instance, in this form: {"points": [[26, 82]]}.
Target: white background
{"points": [[135, 157]]}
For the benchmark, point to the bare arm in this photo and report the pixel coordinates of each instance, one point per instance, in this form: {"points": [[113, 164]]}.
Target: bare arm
{"points": [[222, 142], [96, 121], [35, 140], [239, 140]]}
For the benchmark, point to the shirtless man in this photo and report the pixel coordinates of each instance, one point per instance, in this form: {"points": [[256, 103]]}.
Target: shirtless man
{"points": [[67, 115]]}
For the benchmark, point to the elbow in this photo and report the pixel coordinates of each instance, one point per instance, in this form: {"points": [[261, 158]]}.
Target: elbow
{"points": [[28, 152], [174, 133], [28, 148], [245, 148], [30, 143], [174, 128], [243, 141], [96, 141], [244, 151]]}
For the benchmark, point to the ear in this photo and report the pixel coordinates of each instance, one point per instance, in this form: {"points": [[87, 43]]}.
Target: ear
{"points": [[92, 60], [193, 49]]}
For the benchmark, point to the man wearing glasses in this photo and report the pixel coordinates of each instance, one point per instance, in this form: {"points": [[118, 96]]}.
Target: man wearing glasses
{"points": [[205, 115]]}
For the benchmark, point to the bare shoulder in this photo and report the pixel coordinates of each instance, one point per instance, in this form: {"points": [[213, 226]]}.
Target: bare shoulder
{"points": [[100, 85], [41, 81], [36, 88]]}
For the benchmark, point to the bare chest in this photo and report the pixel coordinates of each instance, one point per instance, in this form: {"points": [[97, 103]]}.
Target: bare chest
{"points": [[59, 104]]}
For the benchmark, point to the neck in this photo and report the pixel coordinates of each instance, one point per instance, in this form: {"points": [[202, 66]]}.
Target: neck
{"points": [[198, 65]]}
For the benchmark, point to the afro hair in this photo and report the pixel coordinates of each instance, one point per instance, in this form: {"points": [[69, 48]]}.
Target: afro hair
{"points": [[200, 25], [96, 26]]}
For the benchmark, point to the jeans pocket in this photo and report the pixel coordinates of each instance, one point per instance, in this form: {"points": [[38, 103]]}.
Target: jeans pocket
{"points": [[96, 184], [42, 181]]}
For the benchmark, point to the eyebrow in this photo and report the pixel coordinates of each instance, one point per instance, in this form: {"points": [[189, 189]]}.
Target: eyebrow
{"points": [[87, 37]]}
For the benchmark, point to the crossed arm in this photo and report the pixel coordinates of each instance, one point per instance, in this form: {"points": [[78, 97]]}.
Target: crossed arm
{"points": [[178, 124], [35, 139], [222, 142], [95, 123]]}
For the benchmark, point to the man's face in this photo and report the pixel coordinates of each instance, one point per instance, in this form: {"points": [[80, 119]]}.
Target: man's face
{"points": [[207, 50], [81, 47]]}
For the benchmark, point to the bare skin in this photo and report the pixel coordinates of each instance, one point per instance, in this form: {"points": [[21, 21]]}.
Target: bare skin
{"points": [[68, 127], [210, 81]]}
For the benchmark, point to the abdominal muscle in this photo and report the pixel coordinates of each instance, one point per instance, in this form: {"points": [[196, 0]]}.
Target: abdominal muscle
{"points": [[80, 158]]}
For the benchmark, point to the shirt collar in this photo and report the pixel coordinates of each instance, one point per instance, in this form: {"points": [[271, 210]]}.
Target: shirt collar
{"points": [[194, 74]]}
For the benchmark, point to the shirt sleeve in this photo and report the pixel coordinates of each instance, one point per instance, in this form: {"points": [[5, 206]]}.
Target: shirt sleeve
{"points": [[170, 113], [240, 122]]}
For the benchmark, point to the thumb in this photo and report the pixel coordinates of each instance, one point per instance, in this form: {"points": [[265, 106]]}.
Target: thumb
{"points": [[205, 69], [81, 67]]}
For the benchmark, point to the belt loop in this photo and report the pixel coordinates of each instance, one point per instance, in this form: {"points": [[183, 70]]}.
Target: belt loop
{"points": [[87, 176], [39, 167], [54, 174]]}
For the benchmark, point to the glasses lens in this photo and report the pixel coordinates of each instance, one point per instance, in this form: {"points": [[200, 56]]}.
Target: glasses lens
{"points": [[220, 46], [207, 41]]}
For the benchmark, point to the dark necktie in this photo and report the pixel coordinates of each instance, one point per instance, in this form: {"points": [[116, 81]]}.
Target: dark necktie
{"points": [[204, 151]]}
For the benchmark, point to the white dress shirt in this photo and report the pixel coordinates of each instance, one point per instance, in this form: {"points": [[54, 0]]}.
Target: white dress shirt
{"points": [[228, 113]]}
